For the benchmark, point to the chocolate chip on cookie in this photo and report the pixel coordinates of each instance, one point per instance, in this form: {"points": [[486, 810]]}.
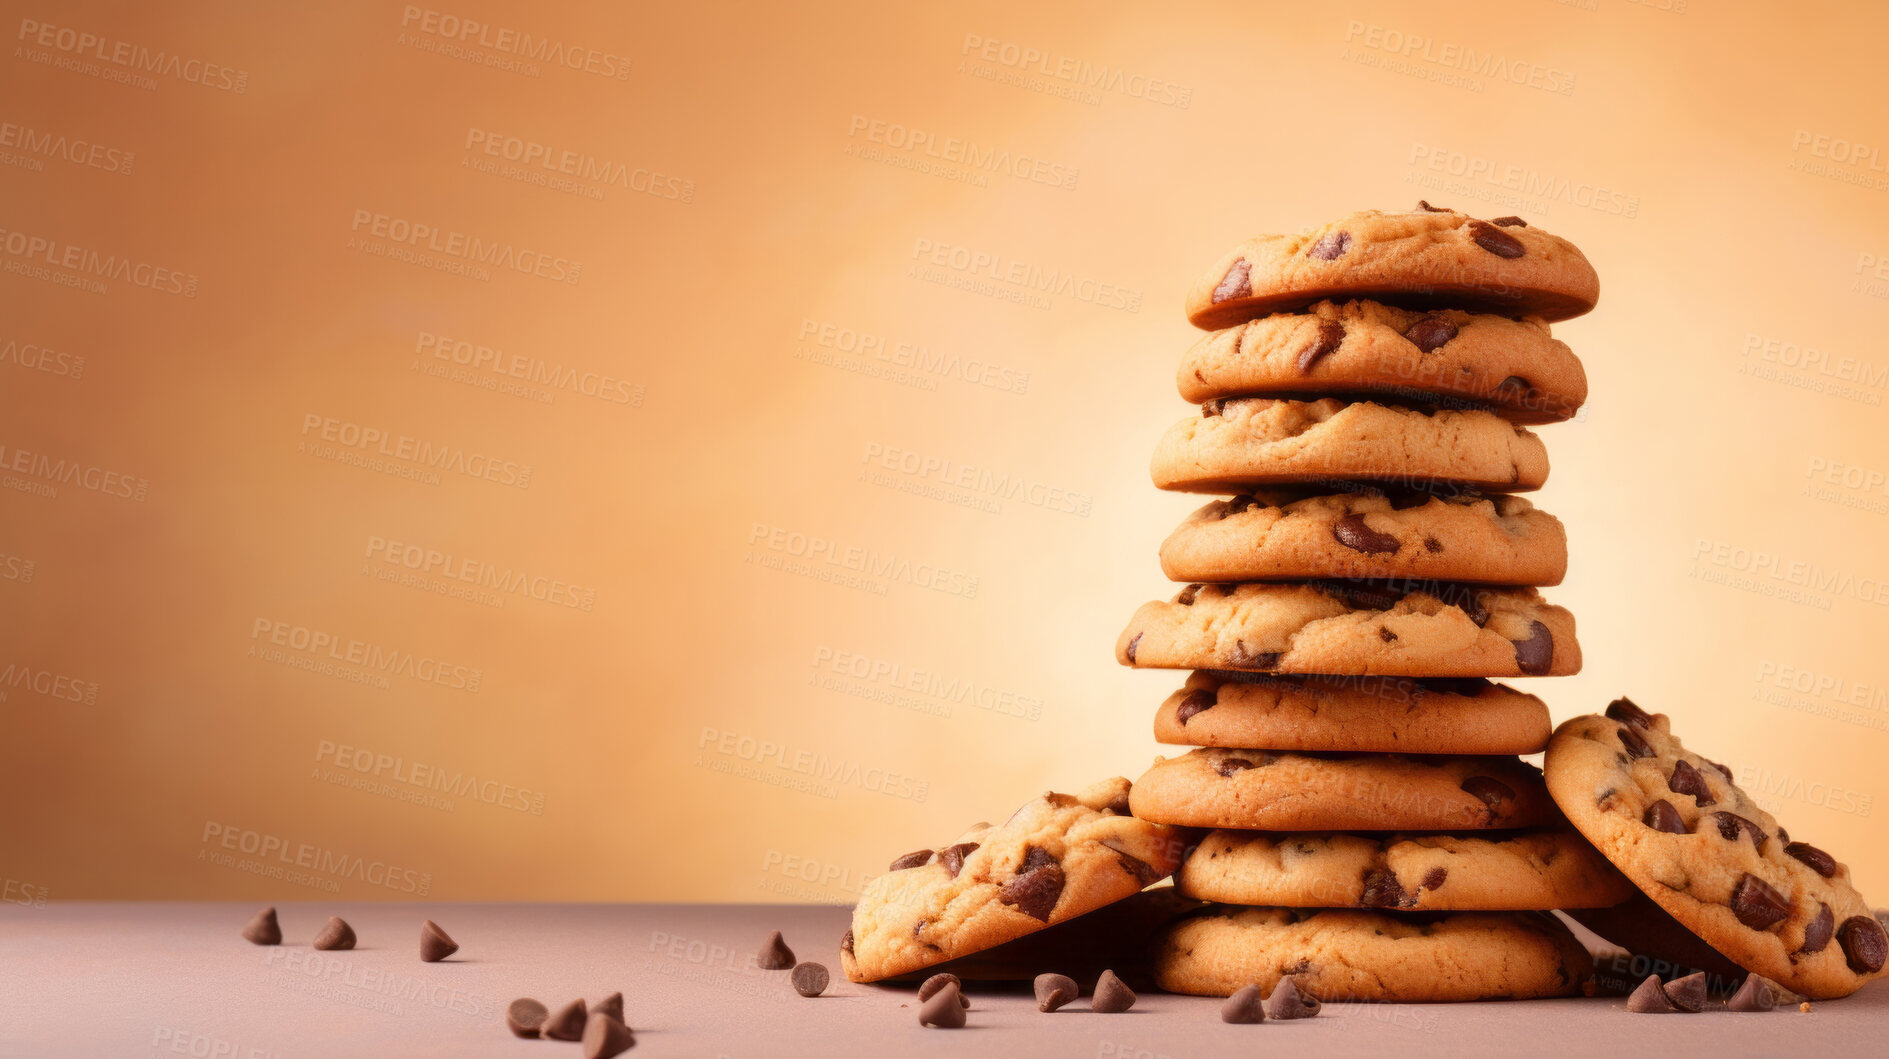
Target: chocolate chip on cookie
{"points": [[1495, 240]]}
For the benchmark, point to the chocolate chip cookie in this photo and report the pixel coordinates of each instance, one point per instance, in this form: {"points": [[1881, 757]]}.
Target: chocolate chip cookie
{"points": [[1393, 715], [1338, 955], [1286, 534], [1425, 258], [1503, 871], [1268, 790], [1056, 858], [1236, 443], [1511, 365], [1413, 629], [1683, 832]]}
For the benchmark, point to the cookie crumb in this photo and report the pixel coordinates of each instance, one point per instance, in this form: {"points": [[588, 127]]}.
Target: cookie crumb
{"points": [[1805, 1006]]}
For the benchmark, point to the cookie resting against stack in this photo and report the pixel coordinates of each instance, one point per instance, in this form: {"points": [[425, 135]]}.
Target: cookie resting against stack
{"points": [[1365, 401]]}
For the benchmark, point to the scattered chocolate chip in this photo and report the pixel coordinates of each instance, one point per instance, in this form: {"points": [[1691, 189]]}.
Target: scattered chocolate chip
{"points": [[1381, 890], [1188, 595], [1331, 335], [1287, 1002], [1493, 793], [1495, 240], [335, 934], [1352, 532], [939, 981], [1330, 246], [435, 944], [1037, 887], [1535, 655], [1625, 711], [1817, 932], [611, 1005], [952, 857], [1820, 862], [810, 979], [566, 1023], [945, 1009], [525, 1016], [1112, 996], [1688, 993], [1757, 904], [262, 928], [1238, 282], [1430, 333], [1631, 742], [914, 859], [1661, 816], [1730, 824], [1864, 943], [1196, 701], [1686, 780], [1231, 765], [1246, 1005], [605, 1037], [1433, 879], [775, 955], [1132, 644], [1509, 222], [1649, 998], [1427, 208], [1752, 995], [1055, 990]]}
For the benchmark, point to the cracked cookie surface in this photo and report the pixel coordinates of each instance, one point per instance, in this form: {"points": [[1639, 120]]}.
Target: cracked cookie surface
{"points": [[1412, 629], [1282, 534], [1678, 826], [1422, 258], [1057, 857]]}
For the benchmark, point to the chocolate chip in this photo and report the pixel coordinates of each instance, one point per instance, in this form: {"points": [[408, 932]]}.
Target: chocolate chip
{"points": [[775, 955], [1330, 246], [914, 859], [1381, 890], [1287, 1002], [262, 928], [810, 979], [945, 1009], [1721, 769], [566, 1023], [1433, 879], [1385, 634], [1427, 208], [938, 981], [1686, 780], [1730, 824], [1817, 932], [1247, 657], [1238, 282], [1509, 222], [1661, 816], [952, 857], [524, 1017], [1753, 995], [1688, 993], [1143, 872], [1246, 1005], [1631, 742], [1112, 996], [1623, 709], [335, 934], [1495, 240], [1820, 862], [605, 1037], [1493, 793], [1432, 545], [1196, 701], [1649, 998], [1757, 904], [1055, 990], [846, 942], [1331, 335], [1037, 886], [1188, 595], [611, 1005], [1430, 333], [1535, 655], [1864, 943], [1132, 644], [1783, 836], [1231, 765], [1352, 532], [435, 944]]}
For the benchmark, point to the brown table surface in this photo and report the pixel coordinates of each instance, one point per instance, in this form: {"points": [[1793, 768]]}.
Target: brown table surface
{"points": [[177, 979]]}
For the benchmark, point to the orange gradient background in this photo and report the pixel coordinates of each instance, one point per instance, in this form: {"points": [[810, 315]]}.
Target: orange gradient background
{"points": [[664, 709]]}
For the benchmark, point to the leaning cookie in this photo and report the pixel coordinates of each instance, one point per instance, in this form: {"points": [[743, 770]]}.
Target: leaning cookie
{"points": [[1424, 258], [1056, 858], [1264, 790], [1510, 364], [1237, 443], [1338, 955], [1354, 628], [1502, 871], [1284, 534], [1683, 832], [1393, 715]]}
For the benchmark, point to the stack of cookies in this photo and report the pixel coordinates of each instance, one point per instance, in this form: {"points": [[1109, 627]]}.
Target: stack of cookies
{"points": [[1364, 401]]}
